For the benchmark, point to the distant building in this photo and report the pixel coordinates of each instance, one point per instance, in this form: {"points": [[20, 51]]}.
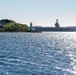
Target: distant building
{"points": [[30, 26], [1, 25], [57, 24]]}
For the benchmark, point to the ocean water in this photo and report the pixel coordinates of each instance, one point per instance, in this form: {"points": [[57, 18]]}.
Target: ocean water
{"points": [[49, 53]]}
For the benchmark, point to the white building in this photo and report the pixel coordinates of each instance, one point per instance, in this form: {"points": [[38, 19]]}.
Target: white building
{"points": [[1, 25], [30, 26]]}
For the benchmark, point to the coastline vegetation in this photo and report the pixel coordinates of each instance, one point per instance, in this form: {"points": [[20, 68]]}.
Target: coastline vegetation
{"points": [[11, 26]]}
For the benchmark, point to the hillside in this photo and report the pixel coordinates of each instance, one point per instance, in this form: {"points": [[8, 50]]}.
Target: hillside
{"points": [[11, 26]]}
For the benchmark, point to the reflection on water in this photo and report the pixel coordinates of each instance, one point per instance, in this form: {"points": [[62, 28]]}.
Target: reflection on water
{"points": [[49, 53]]}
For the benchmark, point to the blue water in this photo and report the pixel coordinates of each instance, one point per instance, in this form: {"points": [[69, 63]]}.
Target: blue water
{"points": [[49, 53]]}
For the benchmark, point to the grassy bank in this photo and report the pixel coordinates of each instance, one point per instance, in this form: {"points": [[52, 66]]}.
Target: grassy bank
{"points": [[11, 26]]}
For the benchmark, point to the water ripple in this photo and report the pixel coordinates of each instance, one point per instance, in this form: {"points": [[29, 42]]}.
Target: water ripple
{"points": [[38, 53]]}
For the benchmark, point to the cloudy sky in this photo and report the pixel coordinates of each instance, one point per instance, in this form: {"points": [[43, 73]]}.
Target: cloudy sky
{"points": [[40, 12]]}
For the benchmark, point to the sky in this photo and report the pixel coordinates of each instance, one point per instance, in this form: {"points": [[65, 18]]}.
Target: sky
{"points": [[39, 12]]}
